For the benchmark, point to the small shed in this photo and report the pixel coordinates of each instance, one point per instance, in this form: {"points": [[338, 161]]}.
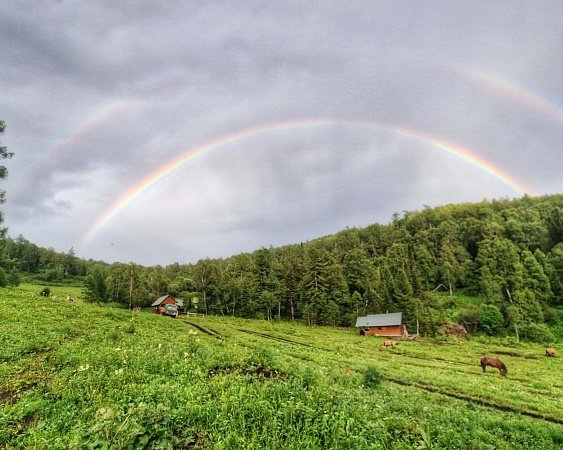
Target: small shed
{"points": [[390, 325], [166, 300]]}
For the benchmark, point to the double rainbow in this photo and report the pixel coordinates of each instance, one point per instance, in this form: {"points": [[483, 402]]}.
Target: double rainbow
{"points": [[224, 141]]}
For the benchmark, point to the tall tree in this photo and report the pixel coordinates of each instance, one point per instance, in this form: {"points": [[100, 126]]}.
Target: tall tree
{"points": [[96, 286], [204, 272], [322, 287], [291, 264], [4, 154]]}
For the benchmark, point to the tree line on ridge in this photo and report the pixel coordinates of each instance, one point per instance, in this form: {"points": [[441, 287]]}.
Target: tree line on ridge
{"points": [[506, 254]]}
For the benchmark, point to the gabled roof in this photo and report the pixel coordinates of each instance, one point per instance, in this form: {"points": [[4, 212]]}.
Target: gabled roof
{"points": [[380, 320], [164, 297]]}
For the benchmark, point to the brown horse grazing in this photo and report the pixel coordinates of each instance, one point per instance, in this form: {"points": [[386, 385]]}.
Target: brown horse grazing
{"points": [[388, 344], [550, 352], [494, 363]]}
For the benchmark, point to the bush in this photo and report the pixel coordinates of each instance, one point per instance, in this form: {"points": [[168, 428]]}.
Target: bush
{"points": [[130, 327], [490, 319], [3, 278], [13, 278], [372, 377], [46, 292], [537, 332], [550, 316], [469, 317]]}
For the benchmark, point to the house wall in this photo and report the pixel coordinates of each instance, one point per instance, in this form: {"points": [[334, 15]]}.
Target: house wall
{"points": [[166, 301], [386, 331]]}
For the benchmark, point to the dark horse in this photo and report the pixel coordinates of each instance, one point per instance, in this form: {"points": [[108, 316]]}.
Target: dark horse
{"points": [[494, 363]]}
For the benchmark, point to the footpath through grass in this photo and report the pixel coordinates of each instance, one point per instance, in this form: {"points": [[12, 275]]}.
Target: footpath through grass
{"points": [[80, 376]]}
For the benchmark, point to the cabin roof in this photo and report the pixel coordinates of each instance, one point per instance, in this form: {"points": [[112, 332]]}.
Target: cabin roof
{"points": [[380, 320], [159, 300]]}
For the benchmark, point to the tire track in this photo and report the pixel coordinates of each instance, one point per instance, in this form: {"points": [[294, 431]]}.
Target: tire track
{"points": [[479, 401], [489, 403], [289, 341], [209, 331]]}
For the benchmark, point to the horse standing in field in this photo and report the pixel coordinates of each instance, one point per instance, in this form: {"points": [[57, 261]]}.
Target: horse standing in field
{"points": [[388, 344], [550, 352], [497, 363]]}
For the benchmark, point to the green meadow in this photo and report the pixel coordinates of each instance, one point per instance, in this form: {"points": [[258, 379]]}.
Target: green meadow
{"points": [[80, 376]]}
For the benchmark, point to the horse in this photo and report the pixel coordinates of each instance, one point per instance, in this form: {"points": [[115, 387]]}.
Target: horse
{"points": [[388, 344], [550, 352], [494, 363]]}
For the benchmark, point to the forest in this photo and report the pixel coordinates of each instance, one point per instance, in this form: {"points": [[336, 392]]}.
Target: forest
{"points": [[493, 267]]}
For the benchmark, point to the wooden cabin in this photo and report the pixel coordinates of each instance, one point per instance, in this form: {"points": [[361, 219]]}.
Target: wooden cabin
{"points": [[391, 325], [166, 300]]}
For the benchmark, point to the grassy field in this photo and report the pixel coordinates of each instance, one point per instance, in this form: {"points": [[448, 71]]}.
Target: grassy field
{"points": [[81, 376]]}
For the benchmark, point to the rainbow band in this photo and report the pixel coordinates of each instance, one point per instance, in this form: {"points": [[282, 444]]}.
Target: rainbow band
{"points": [[187, 156], [531, 100]]}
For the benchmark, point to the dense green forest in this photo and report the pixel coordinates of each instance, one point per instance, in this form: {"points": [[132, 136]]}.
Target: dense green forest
{"points": [[504, 258]]}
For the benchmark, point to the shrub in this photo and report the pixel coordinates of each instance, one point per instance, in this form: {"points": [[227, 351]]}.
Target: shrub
{"points": [[550, 316], [3, 278], [46, 292], [309, 378], [130, 327], [13, 278], [490, 319], [372, 377], [469, 317], [537, 332]]}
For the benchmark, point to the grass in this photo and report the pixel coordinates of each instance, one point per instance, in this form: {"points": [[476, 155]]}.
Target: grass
{"points": [[83, 376]]}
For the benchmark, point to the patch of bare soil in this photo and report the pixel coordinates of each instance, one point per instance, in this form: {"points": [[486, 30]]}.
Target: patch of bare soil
{"points": [[259, 371], [12, 397]]}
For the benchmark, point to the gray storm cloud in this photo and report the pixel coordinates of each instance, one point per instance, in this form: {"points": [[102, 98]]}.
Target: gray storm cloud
{"points": [[98, 96]]}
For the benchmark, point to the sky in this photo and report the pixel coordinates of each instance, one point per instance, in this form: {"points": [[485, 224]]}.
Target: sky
{"points": [[174, 131]]}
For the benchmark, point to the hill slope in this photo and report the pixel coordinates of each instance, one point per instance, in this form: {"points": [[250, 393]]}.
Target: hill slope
{"points": [[81, 376]]}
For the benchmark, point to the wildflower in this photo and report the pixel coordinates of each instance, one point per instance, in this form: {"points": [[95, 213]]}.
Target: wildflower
{"points": [[83, 368]]}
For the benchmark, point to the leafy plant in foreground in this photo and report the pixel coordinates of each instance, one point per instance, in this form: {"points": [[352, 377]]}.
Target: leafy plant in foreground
{"points": [[372, 377]]}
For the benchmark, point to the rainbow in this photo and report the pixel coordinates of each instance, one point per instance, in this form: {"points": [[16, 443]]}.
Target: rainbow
{"points": [[515, 92], [82, 129], [509, 89], [185, 157]]}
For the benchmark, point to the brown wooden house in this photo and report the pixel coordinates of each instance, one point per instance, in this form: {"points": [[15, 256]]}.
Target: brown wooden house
{"points": [[390, 325], [166, 300]]}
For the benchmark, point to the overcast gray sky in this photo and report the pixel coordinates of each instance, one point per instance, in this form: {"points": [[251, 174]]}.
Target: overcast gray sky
{"points": [[171, 131]]}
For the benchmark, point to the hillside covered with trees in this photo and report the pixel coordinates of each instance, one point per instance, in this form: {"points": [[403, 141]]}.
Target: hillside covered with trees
{"points": [[505, 256]]}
